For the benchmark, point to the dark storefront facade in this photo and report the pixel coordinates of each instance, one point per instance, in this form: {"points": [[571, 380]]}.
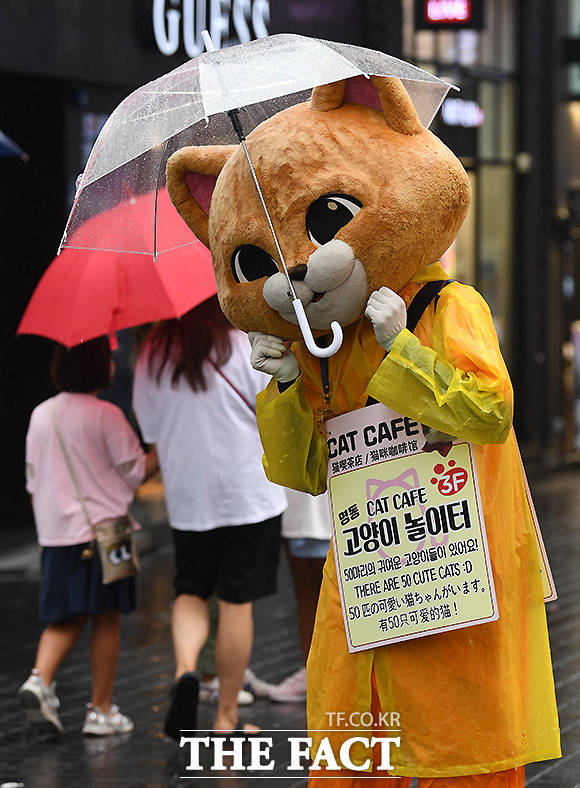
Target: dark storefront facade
{"points": [[505, 58], [64, 66]]}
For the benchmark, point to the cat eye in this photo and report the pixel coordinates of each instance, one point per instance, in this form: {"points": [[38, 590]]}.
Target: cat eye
{"points": [[120, 554], [328, 214], [125, 552], [115, 556], [250, 262]]}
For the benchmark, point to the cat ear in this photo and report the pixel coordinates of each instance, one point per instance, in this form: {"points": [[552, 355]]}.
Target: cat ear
{"points": [[384, 93], [397, 106], [191, 176], [327, 97]]}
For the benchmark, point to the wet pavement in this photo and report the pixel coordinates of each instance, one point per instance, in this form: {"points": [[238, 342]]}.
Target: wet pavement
{"points": [[145, 759]]}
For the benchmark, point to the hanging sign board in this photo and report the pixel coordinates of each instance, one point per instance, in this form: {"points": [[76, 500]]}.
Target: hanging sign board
{"points": [[408, 531], [548, 585]]}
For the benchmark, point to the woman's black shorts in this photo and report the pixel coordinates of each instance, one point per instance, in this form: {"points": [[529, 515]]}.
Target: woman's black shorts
{"points": [[238, 562]]}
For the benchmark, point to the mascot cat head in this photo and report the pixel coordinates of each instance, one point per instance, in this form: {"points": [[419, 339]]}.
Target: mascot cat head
{"points": [[359, 198]]}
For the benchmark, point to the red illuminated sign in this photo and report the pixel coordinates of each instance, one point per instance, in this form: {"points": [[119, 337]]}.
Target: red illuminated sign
{"points": [[447, 11], [448, 14]]}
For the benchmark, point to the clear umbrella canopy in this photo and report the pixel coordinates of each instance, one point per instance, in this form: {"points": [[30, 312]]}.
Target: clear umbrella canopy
{"points": [[187, 106]]}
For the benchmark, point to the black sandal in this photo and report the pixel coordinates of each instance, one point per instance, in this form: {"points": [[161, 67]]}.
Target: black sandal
{"points": [[182, 713]]}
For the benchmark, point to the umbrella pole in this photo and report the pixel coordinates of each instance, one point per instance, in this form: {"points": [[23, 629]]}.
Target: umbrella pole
{"points": [[234, 117], [320, 352], [161, 160], [336, 328]]}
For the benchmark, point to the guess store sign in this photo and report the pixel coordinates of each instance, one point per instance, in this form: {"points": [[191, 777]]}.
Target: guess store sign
{"points": [[179, 23]]}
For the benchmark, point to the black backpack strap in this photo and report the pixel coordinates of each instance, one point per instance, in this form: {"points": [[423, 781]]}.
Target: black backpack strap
{"points": [[429, 292], [421, 300]]}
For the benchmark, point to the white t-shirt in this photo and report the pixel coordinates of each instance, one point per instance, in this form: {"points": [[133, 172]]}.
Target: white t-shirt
{"points": [[307, 516], [106, 456], [208, 443]]}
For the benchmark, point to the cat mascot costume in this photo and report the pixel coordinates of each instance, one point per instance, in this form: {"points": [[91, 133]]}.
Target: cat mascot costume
{"points": [[365, 200]]}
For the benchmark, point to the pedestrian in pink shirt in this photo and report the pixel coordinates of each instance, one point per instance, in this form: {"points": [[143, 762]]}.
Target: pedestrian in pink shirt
{"points": [[108, 464]]}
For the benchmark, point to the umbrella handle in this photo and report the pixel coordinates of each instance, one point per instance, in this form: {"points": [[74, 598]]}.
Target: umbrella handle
{"points": [[320, 352], [207, 41]]}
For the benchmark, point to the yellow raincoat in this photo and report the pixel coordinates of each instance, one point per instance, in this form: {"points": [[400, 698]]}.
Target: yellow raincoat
{"points": [[474, 700]]}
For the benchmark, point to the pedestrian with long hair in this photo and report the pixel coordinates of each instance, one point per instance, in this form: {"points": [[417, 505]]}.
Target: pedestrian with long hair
{"points": [[194, 398]]}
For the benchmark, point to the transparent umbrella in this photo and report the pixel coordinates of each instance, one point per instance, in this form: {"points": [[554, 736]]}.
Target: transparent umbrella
{"points": [[188, 106]]}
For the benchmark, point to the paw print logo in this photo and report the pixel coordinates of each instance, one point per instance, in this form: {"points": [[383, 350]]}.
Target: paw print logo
{"points": [[450, 481]]}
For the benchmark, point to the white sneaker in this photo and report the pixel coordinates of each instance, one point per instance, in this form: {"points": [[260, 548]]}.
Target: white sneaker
{"points": [[100, 723], [209, 692], [40, 701], [292, 689], [258, 687]]}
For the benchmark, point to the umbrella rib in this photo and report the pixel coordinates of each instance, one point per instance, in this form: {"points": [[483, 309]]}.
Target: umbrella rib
{"points": [[101, 249], [180, 246], [171, 92], [166, 111], [131, 251], [270, 223], [212, 93]]}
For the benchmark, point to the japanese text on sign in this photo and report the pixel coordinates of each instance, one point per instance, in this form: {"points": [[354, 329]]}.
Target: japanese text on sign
{"points": [[409, 536]]}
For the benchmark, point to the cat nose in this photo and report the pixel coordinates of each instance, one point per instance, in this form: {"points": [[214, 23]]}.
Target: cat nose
{"points": [[298, 273]]}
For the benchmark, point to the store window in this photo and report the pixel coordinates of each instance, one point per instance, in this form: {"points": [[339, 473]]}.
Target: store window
{"points": [[506, 131], [492, 46], [495, 190], [574, 32], [496, 135], [478, 125], [497, 50]]}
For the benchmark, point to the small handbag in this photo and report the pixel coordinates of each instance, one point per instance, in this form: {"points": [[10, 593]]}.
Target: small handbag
{"points": [[114, 538]]}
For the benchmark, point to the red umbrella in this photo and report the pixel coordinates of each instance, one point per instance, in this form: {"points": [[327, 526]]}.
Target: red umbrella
{"points": [[85, 293]]}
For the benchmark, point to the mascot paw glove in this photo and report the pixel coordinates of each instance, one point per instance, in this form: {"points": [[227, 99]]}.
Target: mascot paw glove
{"points": [[270, 355], [388, 314]]}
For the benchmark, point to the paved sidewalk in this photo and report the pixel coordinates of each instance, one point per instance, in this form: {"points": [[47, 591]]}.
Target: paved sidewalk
{"points": [[147, 760], [557, 499]]}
